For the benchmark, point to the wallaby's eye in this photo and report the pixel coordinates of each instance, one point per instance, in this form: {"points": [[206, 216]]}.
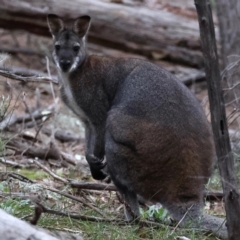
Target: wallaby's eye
{"points": [[76, 48], [57, 47]]}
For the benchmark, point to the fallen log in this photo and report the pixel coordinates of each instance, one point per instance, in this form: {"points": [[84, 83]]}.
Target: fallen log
{"points": [[14, 228], [161, 34]]}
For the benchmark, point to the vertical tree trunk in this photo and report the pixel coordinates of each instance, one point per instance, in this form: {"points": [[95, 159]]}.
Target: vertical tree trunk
{"points": [[218, 119], [228, 12]]}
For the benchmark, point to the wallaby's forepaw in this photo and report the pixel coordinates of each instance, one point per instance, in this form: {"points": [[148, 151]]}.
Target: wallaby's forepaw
{"points": [[96, 165]]}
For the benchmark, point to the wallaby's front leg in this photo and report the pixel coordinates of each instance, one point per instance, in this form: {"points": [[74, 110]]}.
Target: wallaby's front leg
{"points": [[95, 150]]}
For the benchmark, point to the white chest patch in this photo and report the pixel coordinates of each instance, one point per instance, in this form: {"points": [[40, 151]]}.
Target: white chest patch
{"points": [[64, 83]]}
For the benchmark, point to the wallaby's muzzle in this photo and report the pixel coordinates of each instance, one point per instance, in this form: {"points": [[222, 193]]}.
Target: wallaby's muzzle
{"points": [[65, 64]]}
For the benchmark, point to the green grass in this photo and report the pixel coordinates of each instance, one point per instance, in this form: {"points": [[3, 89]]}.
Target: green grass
{"points": [[17, 207], [33, 174], [23, 209]]}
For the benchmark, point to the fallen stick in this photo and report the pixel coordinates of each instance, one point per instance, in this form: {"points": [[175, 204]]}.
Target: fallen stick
{"points": [[11, 163], [5, 175], [93, 186], [40, 153], [13, 119], [50, 172], [25, 72], [37, 79]]}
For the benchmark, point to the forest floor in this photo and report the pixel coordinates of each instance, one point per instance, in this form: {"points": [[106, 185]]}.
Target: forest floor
{"points": [[42, 145]]}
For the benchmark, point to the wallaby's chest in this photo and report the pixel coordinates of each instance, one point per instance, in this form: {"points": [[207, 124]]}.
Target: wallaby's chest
{"points": [[68, 97]]}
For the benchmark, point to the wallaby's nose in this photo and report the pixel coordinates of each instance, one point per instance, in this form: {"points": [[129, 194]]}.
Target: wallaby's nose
{"points": [[65, 64]]}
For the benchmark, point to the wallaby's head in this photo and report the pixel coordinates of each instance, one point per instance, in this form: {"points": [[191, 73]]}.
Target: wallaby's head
{"points": [[69, 41]]}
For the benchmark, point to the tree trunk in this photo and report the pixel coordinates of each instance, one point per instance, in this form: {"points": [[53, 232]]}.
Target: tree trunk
{"points": [[166, 33], [229, 18], [218, 119]]}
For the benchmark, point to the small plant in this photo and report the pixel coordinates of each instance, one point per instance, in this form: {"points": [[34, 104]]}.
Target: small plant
{"points": [[16, 206], [158, 213]]}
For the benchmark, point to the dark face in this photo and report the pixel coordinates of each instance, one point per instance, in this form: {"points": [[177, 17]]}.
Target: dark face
{"points": [[69, 51], [69, 41]]}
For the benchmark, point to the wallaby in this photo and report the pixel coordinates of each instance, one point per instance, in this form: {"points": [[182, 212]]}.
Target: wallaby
{"points": [[152, 130]]}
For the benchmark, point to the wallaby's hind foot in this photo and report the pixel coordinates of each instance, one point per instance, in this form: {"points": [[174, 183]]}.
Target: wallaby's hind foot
{"points": [[96, 165]]}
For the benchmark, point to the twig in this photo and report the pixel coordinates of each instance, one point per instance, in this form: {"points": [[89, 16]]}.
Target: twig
{"points": [[32, 151], [74, 216], [29, 111], [25, 72], [181, 220], [76, 199], [11, 163], [49, 75], [6, 175], [26, 150], [93, 186], [38, 114], [13, 76], [50, 172]]}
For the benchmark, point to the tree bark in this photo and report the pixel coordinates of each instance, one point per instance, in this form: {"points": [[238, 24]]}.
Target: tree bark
{"points": [[229, 17], [218, 119], [160, 34]]}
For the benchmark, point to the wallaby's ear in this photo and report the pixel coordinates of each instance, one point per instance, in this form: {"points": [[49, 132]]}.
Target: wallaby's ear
{"points": [[55, 24], [81, 25]]}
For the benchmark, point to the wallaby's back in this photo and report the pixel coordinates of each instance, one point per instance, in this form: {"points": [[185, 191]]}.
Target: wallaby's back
{"points": [[158, 140]]}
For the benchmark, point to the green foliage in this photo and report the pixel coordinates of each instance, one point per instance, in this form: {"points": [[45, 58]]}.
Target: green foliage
{"points": [[33, 175], [16, 207], [154, 212], [3, 187]]}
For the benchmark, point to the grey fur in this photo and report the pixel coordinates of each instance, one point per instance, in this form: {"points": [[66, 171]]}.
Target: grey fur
{"points": [[151, 128]]}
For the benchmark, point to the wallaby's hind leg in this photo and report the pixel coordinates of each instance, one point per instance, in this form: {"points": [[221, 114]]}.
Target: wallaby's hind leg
{"points": [[132, 209], [117, 163]]}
